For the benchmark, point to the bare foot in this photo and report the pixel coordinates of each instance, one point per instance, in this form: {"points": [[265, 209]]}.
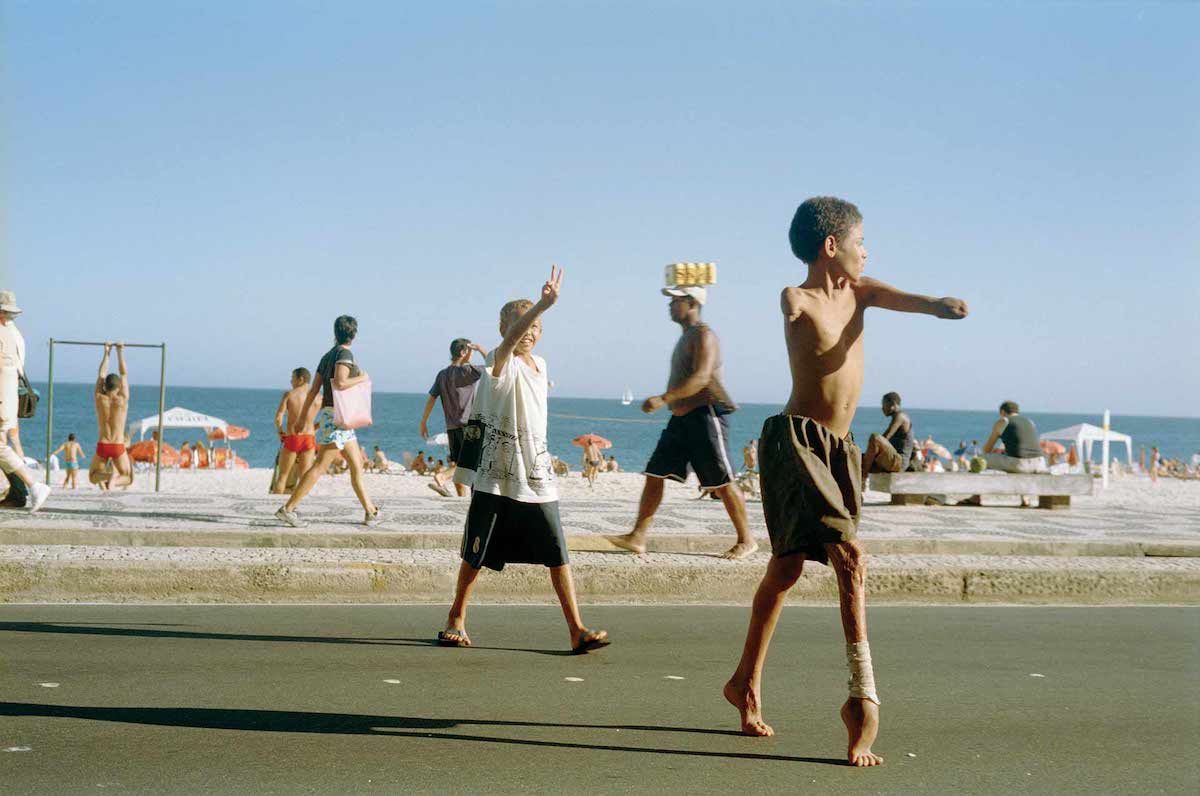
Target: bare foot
{"points": [[628, 542], [745, 699], [740, 550], [862, 723]]}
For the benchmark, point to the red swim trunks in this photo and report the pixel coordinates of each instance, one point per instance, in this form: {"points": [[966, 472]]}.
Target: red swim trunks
{"points": [[299, 443], [110, 450]]}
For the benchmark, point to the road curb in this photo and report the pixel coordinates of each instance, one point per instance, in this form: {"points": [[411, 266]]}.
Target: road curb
{"points": [[625, 580], [663, 543]]}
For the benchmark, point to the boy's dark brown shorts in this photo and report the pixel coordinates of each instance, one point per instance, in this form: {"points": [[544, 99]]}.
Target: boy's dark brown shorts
{"points": [[500, 530], [811, 486]]}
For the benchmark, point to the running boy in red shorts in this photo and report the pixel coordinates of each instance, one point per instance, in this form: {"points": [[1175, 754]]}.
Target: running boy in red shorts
{"points": [[810, 467]]}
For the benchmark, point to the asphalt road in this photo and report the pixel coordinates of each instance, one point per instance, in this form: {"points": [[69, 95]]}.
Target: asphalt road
{"points": [[276, 699]]}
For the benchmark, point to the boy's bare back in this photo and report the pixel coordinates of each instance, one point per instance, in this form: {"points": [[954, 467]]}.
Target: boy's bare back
{"points": [[294, 399]]}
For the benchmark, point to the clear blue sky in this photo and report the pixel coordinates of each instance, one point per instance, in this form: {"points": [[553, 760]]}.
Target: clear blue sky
{"points": [[231, 176]]}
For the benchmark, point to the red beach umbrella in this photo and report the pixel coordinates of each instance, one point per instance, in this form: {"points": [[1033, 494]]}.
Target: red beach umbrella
{"points": [[144, 452], [233, 432]]}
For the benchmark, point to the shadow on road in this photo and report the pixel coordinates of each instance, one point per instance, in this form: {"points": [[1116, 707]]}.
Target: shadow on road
{"points": [[359, 724], [143, 632]]}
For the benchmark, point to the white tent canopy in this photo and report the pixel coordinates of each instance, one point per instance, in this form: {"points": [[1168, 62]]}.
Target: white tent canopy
{"points": [[1084, 434], [178, 417]]}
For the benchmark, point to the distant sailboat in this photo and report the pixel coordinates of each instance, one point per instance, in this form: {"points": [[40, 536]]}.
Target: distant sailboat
{"points": [[627, 397]]}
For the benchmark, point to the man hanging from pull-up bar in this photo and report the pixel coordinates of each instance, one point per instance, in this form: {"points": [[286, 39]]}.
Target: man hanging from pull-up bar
{"points": [[112, 408]]}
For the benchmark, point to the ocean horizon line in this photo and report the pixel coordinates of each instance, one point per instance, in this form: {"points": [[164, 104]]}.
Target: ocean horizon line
{"points": [[1038, 410]]}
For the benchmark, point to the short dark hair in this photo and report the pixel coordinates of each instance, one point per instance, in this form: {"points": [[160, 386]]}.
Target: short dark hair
{"points": [[111, 382], [1010, 408], [71, 437], [892, 398], [457, 345], [345, 328], [302, 374], [815, 220]]}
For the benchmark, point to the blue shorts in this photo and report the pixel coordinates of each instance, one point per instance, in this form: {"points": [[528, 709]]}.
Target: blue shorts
{"points": [[328, 433]]}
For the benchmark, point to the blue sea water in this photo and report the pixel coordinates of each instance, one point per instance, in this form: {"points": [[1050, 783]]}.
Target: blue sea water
{"points": [[397, 416]]}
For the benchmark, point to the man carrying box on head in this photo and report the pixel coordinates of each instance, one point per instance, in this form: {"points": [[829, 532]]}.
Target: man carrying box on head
{"points": [[697, 434]]}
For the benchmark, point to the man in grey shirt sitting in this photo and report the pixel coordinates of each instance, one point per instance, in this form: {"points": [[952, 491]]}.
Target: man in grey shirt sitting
{"points": [[455, 386], [1022, 447]]}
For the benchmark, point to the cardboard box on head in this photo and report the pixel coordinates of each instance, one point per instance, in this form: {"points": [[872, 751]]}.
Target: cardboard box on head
{"points": [[691, 274]]}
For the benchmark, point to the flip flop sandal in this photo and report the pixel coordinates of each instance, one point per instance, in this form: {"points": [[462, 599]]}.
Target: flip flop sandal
{"points": [[594, 643], [453, 638]]}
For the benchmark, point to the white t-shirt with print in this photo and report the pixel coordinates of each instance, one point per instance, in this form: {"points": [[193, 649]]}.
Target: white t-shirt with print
{"points": [[515, 459]]}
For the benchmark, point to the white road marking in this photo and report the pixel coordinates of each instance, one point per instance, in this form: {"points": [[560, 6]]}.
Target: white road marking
{"points": [[1035, 674], [573, 679], [18, 749], [48, 685], [393, 682], [672, 677]]}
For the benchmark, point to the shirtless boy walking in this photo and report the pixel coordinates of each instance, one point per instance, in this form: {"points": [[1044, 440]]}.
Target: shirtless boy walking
{"points": [[112, 408], [811, 468], [72, 452], [298, 438]]}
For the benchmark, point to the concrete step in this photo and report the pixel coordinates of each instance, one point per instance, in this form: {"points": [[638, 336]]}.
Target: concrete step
{"points": [[65, 573]]}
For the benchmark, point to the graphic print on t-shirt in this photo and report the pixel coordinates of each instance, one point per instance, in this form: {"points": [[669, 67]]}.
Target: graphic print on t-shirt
{"points": [[500, 452], [505, 450]]}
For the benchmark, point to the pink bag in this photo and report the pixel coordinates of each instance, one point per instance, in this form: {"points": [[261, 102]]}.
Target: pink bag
{"points": [[352, 407]]}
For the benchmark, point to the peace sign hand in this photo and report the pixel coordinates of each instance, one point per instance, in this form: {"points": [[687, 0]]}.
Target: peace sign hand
{"points": [[552, 287]]}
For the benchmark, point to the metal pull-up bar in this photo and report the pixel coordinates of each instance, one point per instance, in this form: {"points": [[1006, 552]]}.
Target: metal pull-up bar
{"points": [[162, 398]]}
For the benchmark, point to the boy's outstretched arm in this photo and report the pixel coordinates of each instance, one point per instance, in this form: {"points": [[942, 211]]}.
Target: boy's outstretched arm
{"points": [[515, 332], [882, 295]]}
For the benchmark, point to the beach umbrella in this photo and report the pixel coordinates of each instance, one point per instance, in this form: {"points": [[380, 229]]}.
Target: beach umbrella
{"points": [[232, 432], [589, 439], [1052, 447], [937, 450], [1072, 457], [144, 452]]}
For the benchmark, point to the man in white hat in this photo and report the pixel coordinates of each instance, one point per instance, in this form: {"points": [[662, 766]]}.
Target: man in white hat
{"points": [[12, 364], [697, 436]]}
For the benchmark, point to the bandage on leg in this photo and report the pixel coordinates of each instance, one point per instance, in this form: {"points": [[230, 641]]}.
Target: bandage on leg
{"points": [[862, 676]]}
